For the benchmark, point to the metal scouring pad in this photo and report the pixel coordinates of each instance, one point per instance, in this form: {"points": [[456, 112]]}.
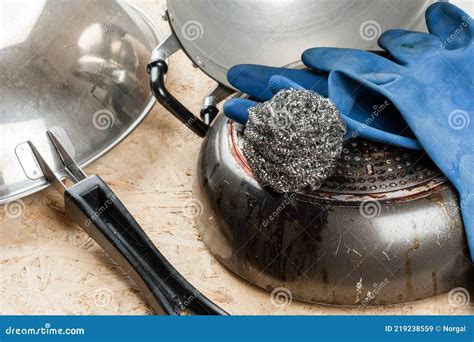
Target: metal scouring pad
{"points": [[293, 141]]}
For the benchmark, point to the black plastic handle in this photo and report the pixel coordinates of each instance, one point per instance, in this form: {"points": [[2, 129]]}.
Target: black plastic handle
{"points": [[157, 70], [93, 205]]}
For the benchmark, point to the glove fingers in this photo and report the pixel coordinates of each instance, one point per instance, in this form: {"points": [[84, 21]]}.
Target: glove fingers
{"points": [[278, 83], [351, 60], [406, 46], [367, 112], [453, 26], [238, 109], [254, 79]]}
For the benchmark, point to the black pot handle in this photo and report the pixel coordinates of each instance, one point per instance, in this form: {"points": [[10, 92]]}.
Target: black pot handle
{"points": [[157, 70]]}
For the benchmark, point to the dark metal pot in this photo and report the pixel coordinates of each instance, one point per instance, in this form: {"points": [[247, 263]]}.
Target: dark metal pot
{"points": [[386, 228]]}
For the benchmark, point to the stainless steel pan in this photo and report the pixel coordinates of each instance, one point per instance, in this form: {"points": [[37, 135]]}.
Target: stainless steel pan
{"points": [[217, 34]]}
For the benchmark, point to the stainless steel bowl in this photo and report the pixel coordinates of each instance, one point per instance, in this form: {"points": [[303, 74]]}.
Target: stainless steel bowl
{"points": [[218, 34], [78, 68]]}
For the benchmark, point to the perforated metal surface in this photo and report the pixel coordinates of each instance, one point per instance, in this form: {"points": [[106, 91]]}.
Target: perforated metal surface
{"points": [[369, 167]]}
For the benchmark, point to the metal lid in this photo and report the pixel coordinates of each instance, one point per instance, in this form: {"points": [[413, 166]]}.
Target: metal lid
{"points": [[217, 34], [77, 68]]}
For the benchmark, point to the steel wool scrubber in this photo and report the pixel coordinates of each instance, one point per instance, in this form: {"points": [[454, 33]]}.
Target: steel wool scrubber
{"points": [[292, 142]]}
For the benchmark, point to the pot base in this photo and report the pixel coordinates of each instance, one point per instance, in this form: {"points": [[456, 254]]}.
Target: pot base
{"points": [[386, 228]]}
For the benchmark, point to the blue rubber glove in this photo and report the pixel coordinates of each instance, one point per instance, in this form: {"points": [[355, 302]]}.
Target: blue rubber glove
{"points": [[432, 85], [365, 114]]}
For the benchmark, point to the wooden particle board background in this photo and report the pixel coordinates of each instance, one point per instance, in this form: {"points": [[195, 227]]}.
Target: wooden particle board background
{"points": [[50, 266]]}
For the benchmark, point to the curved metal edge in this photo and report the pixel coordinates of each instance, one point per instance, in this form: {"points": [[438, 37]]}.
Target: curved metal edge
{"points": [[403, 195], [189, 55], [159, 35]]}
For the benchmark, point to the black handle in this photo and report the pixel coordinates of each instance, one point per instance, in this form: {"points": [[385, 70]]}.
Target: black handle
{"points": [[157, 70], [93, 205]]}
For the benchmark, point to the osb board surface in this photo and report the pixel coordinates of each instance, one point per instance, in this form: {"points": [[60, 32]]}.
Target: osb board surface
{"points": [[49, 266]]}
